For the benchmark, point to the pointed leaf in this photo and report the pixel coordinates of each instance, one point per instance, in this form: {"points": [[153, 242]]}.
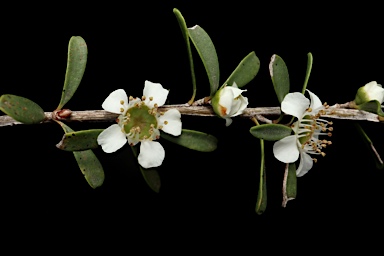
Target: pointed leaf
{"points": [[88, 163], [245, 71], [193, 140], [21, 109], [91, 167], [184, 31], [261, 204], [207, 52], [81, 140], [76, 62], [308, 73], [151, 176], [270, 132], [280, 78], [372, 106]]}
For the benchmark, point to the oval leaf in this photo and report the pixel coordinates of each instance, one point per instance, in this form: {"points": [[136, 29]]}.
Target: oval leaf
{"points": [[290, 184], [151, 176], [372, 106], [76, 62], [184, 31], [88, 163], [91, 167], [207, 52], [280, 78], [245, 71], [21, 109], [193, 140], [270, 132], [81, 140], [261, 203], [308, 73]]}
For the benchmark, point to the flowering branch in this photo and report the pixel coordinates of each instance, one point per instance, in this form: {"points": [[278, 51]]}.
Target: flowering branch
{"points": [[337, 111]]}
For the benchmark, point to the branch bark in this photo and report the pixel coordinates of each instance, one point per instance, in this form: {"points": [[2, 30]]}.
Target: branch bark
{"points": [[334, 112]]}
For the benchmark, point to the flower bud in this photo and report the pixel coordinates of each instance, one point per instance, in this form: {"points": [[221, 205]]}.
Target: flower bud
{"points": [[368, 92], [228, 102]]}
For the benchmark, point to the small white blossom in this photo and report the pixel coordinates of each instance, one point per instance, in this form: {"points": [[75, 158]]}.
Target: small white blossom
{"points": [[368, 92], [140, 121], [307, 129], [228, 102]]}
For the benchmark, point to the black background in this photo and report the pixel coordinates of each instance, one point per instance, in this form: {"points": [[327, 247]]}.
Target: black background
{"points": [[202, 194]]}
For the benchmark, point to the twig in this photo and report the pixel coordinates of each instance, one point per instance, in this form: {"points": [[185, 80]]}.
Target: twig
{"points": [[185, 109]]}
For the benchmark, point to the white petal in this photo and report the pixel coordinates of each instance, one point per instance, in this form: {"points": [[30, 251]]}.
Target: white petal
{"points": [[228, 121], [315, 101], [111, 139], [151, 154], [236, 91], [113, 102], [305, 165], [295, 104], [243, 105], [157, 92], [285, 150], [226, 101], [173, 125]]}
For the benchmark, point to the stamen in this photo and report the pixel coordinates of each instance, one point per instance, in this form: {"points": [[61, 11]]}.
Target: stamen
{"points": [[143, 98], [165, 122], [121, 110], [130, 98], [151, 98], [121, 102]]}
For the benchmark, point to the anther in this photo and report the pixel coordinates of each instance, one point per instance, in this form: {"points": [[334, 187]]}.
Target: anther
{"points": [[165, 122], [121, 110], [143, 98], [322, 153], [314, 160], [151, 98], [130, 98]]}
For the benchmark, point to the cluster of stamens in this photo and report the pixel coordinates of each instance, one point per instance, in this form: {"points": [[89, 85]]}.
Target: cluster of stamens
{"points": [[138, 125], [312, 126]]}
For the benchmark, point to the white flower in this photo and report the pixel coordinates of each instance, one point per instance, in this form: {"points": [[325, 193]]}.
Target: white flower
{"points": [[228, 102], [368, 92], [306, 130], [139, 121]]}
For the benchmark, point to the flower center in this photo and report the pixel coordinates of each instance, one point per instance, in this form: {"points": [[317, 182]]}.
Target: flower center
{"points": [[308, 130], [140, 120]]}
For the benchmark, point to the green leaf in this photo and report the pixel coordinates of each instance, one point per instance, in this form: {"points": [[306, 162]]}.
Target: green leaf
{"points": [[245, 71], [91, 167], [308, 73], [21, 109], [372, 106], [78, 141], [151, 176], [270, 132], [76, 62], [184, 31], [280, 77], [367, 141], [261, 203], [290, 184], [193, 140], [207, 52], [88, 163]]}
